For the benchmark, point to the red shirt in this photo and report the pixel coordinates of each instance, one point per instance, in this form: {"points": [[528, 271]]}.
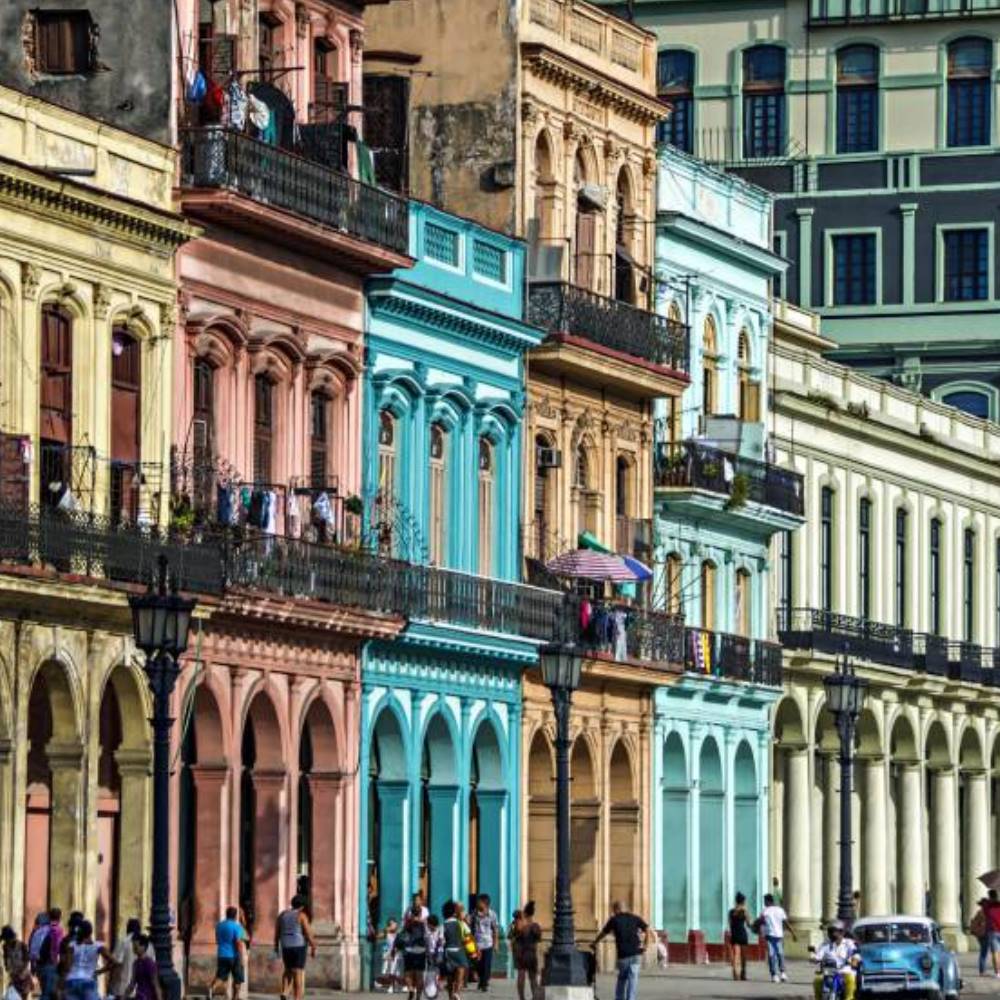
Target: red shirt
{"points": [[993, 917]]}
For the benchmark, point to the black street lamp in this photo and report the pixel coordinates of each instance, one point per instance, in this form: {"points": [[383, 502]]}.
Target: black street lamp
{"points": [[845, 695], [564, 965], [161, 619]]}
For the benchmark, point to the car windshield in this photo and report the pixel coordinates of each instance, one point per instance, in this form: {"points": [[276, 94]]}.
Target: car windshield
{"points": [[901, 933]]}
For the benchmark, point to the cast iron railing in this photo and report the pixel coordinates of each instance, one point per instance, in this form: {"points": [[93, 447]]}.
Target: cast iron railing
{"points": [[222, 158], [563, 308], [828, 632], [845, 12], [733, 657], [690, 465], [652, 638]]}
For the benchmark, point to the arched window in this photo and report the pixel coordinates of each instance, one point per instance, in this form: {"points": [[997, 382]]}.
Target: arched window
{"points": [[581, 473], [203, 433], [585, 239], [826, 548], [857, 99], [544, 183], [263, 428], [864, 558], [709, 367], [674, 429], [675, 569], [546, 463], [970, 64], [624, 222], [743, 608], [675, 85], [902, 562], [486, 507], [969, 401], [968, 585], [438, 496], [623, 498], [126, 382], [55, 402], [319, 439], [763, 101], [386, 455], [749, 387], [708, 595], [935, 575]]}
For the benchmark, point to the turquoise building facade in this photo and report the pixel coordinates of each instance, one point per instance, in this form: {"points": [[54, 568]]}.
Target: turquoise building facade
{"points": [[717, 504], [441, 705]]}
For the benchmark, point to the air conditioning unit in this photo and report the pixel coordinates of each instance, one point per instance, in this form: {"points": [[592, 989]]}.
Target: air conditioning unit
{"points": [[548, 458]]}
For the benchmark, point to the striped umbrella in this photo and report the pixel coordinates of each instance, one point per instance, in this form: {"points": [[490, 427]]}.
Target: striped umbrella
{"points": [[590, 565]]}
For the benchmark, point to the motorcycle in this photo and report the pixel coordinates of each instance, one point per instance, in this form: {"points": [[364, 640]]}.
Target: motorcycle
{"points": [[832, 983]]}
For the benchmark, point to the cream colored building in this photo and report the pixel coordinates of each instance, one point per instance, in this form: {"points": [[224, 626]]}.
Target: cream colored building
{"points": [[897, 562], [87, 315]]}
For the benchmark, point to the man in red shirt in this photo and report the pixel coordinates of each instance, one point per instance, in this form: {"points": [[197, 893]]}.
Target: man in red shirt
{"points": [[992, 911]]}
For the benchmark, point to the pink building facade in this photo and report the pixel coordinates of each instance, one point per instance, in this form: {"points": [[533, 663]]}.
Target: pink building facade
{"points": [[266, 442]]}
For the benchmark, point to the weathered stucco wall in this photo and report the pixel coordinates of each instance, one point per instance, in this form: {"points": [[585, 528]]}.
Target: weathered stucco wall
{"points": [[463, 99], [129, 85]]}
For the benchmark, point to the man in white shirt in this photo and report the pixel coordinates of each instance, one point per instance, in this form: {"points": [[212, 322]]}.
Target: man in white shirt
{"points": [[844, 953], [772, 923]]}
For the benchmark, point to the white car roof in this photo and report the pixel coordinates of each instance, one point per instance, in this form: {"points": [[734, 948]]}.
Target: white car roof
{"points": [[893, 918]]}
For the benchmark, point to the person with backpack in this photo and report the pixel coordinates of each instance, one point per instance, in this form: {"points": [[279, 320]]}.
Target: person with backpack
{"points": [[411, 941], [978, 929], [48, 945], [79, 963], [16, 963], [485, 930], [456, 958]]}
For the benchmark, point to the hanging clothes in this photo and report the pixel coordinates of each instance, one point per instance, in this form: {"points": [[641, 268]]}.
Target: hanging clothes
{"points": [[237, 105], [620, 632], [270, 524], [586, 610], [197, 88], [224, 503], [366, 164], [293, 516], [258, 113], [256, 514]]}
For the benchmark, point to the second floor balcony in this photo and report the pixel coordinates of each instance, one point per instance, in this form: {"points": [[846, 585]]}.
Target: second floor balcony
{"points": [[732, 657], [622, 332], [694, 466], [229, 177]]}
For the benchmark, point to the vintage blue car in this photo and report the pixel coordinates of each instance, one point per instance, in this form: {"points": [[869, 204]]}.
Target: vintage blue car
{"points": [[905, 956]]}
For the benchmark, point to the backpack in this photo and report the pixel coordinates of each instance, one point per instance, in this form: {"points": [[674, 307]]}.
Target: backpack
{"points": [[977, 925]]}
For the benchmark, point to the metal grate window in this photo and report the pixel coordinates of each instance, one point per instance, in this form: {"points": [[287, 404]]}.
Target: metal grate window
{"points": [[966, 265], [441, 244], [489, 261], [854, 269]]}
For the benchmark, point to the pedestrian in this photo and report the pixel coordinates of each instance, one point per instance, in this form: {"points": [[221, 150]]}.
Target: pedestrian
{"points": [[39, 932], [525, 935], [485, 929], [773, 922], [631, 934], [230, 949], [856, 900], [16, 963], [412, 942], [47, 963], [124, 954], [779, 896], [739, 936], [293, 934], [144, 983], [78, 970], [456, 958], [979, 930], [389, 956], [418, 900], [992, 911]]}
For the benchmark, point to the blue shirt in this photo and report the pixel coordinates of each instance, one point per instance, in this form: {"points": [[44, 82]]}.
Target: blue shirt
{"points": [[228, 933]]}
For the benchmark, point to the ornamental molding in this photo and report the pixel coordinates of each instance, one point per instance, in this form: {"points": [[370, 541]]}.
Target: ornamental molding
{"points": [[40, 194], [31, 279], [102, 301]]}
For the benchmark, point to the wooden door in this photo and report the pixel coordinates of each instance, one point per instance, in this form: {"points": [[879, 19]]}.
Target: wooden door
{"points": [[105, 915], [36, 858], [586, 245]]}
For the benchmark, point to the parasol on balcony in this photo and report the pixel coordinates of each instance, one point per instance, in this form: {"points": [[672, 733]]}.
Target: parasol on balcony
{"points": [[590, 565], [641, 570]]}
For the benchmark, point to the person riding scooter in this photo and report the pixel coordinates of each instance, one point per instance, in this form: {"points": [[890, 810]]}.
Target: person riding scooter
{"points": [[843, 953]]}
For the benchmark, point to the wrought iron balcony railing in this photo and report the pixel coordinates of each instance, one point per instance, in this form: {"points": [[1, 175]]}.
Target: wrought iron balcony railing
{"points": [[653, 638], [563, 308], [843, 12], [696, 466], [223, 159], [733, 657]]}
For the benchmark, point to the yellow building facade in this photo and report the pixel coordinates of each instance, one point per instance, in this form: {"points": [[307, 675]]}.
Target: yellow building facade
{"points": [[87, 316]]}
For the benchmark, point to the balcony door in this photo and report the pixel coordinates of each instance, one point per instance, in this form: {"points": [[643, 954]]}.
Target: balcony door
{"points": [[55, 402]]}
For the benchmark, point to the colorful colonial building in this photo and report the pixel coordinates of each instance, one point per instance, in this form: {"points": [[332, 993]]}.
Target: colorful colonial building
{"points": [[717, 503], [440, 771]]}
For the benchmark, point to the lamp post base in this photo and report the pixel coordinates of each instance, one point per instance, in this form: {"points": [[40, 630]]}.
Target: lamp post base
{"points": [[171, 985], [566, 969]]}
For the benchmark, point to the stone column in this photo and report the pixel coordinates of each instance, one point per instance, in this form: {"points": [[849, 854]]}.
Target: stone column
{"points": [[326, 849], [976, 831], [910, 850], [209, 787], [874, 883], [944, 857], [135, 838], [65, 860], [831, 835], [268, 786], [797, 840]]}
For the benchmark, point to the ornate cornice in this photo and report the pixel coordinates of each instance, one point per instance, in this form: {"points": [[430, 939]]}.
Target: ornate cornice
{"points": [[599, 89], [42, 193]]}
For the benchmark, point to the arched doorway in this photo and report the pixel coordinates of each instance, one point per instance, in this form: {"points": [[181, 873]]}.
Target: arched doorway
{"points": [[544, 191], [585, 249], [746, 840], [488, 845], [675, 838], [261, 785], [53, 794], [906, 820], [388, 791], [624, 834], [204, 772], [123, 787], [319, 843], [711, 840], [439, 815], [625, 223], [541, 826], [584, 828]]}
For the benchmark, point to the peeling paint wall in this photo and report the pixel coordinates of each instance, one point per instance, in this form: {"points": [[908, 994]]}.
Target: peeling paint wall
{"points": [[129, 86], [463, 99]]}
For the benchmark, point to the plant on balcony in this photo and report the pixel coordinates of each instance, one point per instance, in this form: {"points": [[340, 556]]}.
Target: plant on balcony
{"points": [[739, 493], [858, 410], [354, 505], [710, 470], [182, 515]]}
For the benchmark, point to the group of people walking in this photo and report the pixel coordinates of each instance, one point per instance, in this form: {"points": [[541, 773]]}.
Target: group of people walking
{"points": [[771, 924], [64, 962]]}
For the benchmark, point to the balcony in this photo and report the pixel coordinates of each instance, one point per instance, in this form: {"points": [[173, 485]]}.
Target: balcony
{"points": [[231, 178], [652, 639], [732, 657], [824, 13], [642, 354], [693, 466]]}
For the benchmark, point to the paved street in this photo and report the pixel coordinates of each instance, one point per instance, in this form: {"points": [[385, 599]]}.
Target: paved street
{"points": [[709, 982]]}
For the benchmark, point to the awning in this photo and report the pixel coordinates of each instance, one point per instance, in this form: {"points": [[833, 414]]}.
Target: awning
{"points": [[588, 540]]}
